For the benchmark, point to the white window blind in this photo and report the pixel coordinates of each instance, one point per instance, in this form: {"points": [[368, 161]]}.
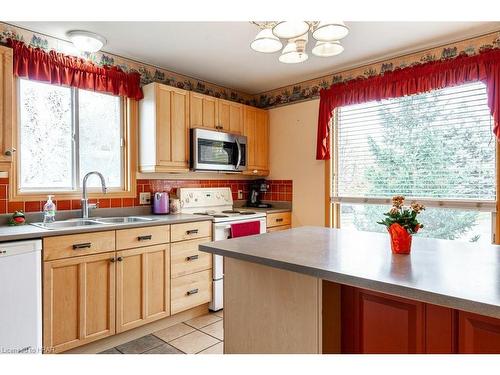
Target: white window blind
{"points": [[436, 146]]}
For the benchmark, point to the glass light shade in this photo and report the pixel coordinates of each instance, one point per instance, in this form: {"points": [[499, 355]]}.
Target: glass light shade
{"points": [[290, 29], [86, 41], [327, 49], [328, 31], [293, 53], [266, 42]]}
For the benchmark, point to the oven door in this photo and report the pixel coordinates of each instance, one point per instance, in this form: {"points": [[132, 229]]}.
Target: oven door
{"points": [[217, 151]]}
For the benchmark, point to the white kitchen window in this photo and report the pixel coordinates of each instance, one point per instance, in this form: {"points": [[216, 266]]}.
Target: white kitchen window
{"points": [[66, 132], [437, 147]]}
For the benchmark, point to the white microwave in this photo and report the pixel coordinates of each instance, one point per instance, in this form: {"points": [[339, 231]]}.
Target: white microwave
{"points": [[217, 151]]}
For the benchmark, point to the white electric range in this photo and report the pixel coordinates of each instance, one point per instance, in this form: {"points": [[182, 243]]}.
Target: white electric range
{"points": [[218, 204]]}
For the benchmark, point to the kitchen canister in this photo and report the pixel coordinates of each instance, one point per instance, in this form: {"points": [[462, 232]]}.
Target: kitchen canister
{"points": [[175, 205]]}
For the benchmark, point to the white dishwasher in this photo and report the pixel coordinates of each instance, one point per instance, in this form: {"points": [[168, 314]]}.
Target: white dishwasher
{"points": [[21, 297]]}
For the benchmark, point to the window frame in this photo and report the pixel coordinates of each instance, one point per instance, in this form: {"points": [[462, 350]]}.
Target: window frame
{"points": [[333, 202], [129, 121]]}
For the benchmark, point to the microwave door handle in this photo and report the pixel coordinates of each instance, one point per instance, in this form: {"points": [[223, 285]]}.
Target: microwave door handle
{"points": [[239, 153]]}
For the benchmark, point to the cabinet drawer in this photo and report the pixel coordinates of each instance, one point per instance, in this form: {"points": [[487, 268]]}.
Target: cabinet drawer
{"points": [[73, 245], [281, 218], [276, 229], [185, 258], [191, 290], [189, 231], [145, 236]]}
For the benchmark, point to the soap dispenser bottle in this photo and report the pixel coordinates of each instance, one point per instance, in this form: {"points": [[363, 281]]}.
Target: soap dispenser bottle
{"points": [[49, 211]]}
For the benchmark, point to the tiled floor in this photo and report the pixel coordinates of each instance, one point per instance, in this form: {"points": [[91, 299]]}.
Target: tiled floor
{"points": [[201, 335]]}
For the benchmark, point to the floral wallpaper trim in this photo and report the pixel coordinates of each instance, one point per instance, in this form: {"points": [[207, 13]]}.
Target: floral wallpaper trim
{"points": [[290, 94], [149, 73], [309, 90]]}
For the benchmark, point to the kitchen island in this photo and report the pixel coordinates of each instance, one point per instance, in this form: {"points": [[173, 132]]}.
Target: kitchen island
{"points": [[321, 290]]}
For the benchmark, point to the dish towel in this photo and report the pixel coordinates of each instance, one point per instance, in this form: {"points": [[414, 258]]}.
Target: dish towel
{"points": [[245, 229]]}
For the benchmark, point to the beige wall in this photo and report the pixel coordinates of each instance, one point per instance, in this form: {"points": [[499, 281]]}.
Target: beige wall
{"points": [[293, 157]]}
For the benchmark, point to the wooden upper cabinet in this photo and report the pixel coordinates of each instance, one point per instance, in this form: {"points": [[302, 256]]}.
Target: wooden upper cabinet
{"points": [[230, 116], [164, 129], [7, 98], [256, 129], [203, 111], [142, 286], [78, 301]]}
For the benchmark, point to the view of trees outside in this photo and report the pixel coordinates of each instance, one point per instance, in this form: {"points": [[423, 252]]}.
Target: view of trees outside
{"points": [[45, 136], [100, 137], [434, 145]]}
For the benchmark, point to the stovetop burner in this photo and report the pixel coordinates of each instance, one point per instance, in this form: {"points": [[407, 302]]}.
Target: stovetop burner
{"points": [[210, 214], [238, 212]]}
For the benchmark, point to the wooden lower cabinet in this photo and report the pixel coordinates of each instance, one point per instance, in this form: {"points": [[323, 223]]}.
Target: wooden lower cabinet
{"points": [[373, 322], [78, 301], [377, 323], [142, 286], [478, 334]]}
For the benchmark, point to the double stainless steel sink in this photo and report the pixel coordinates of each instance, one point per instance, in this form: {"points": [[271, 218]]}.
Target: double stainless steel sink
{"points": [[74, 223]]}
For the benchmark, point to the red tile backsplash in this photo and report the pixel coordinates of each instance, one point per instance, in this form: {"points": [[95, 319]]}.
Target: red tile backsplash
{"points": [[279, 190]]}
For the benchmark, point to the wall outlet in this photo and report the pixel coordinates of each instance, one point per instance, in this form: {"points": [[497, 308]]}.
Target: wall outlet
{"points": [[145, 198], [240, 194]]}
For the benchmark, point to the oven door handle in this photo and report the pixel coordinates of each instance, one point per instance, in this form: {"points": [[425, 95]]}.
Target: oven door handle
{"points": [[238, 162]]}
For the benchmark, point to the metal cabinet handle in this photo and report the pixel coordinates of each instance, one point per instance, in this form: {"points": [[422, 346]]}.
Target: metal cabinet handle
{"points": [[192, 291], [145, 238], [9, 151], [192, 257], [192, 231], [119, 259], [279, 220], [112, 260], [78, 246]]}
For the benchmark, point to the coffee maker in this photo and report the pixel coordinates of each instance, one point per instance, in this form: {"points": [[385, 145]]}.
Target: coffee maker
{"points": [[254, 197]]}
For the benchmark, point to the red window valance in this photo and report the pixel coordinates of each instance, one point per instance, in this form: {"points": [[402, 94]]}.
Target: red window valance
{"points": [[59, 69], [484, 67]]}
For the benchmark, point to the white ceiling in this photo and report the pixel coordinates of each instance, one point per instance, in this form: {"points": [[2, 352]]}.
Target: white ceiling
{"points": [[219, 52]]}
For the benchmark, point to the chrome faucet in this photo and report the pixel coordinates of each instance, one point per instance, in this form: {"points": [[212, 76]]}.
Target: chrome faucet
{"points": [[86, 206]]}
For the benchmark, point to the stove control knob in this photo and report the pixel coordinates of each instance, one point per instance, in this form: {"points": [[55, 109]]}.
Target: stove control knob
{"points": [[187, 200]]}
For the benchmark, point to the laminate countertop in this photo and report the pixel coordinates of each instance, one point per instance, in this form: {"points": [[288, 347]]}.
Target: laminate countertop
{"points": [[27, 231], [460, 275]]}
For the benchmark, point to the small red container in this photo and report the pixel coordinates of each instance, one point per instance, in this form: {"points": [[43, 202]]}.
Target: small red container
{"points": [[400, 239]]}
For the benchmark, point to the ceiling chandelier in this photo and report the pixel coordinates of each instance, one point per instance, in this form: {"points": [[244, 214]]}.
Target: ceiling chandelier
{"points": [[296, 33]]}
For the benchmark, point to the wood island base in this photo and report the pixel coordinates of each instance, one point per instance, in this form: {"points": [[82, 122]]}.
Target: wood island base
{"points": [[271, 310]]}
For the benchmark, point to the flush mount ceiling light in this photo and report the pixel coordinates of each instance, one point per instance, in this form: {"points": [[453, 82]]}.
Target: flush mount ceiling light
{"points": [[296, 33], [86, 41]]}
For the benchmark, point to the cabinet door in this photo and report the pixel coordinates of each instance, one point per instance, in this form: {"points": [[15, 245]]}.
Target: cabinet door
{"points": [[230, 116], [478, 334], [172, 116], [79, 301], [256, 129], [203, 111], [142, 286], [262, 141], [249, 130], [7, 96], [381, 324]]}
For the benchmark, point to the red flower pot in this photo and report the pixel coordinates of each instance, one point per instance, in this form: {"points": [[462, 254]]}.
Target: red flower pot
{"points": [[400, 239]]}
